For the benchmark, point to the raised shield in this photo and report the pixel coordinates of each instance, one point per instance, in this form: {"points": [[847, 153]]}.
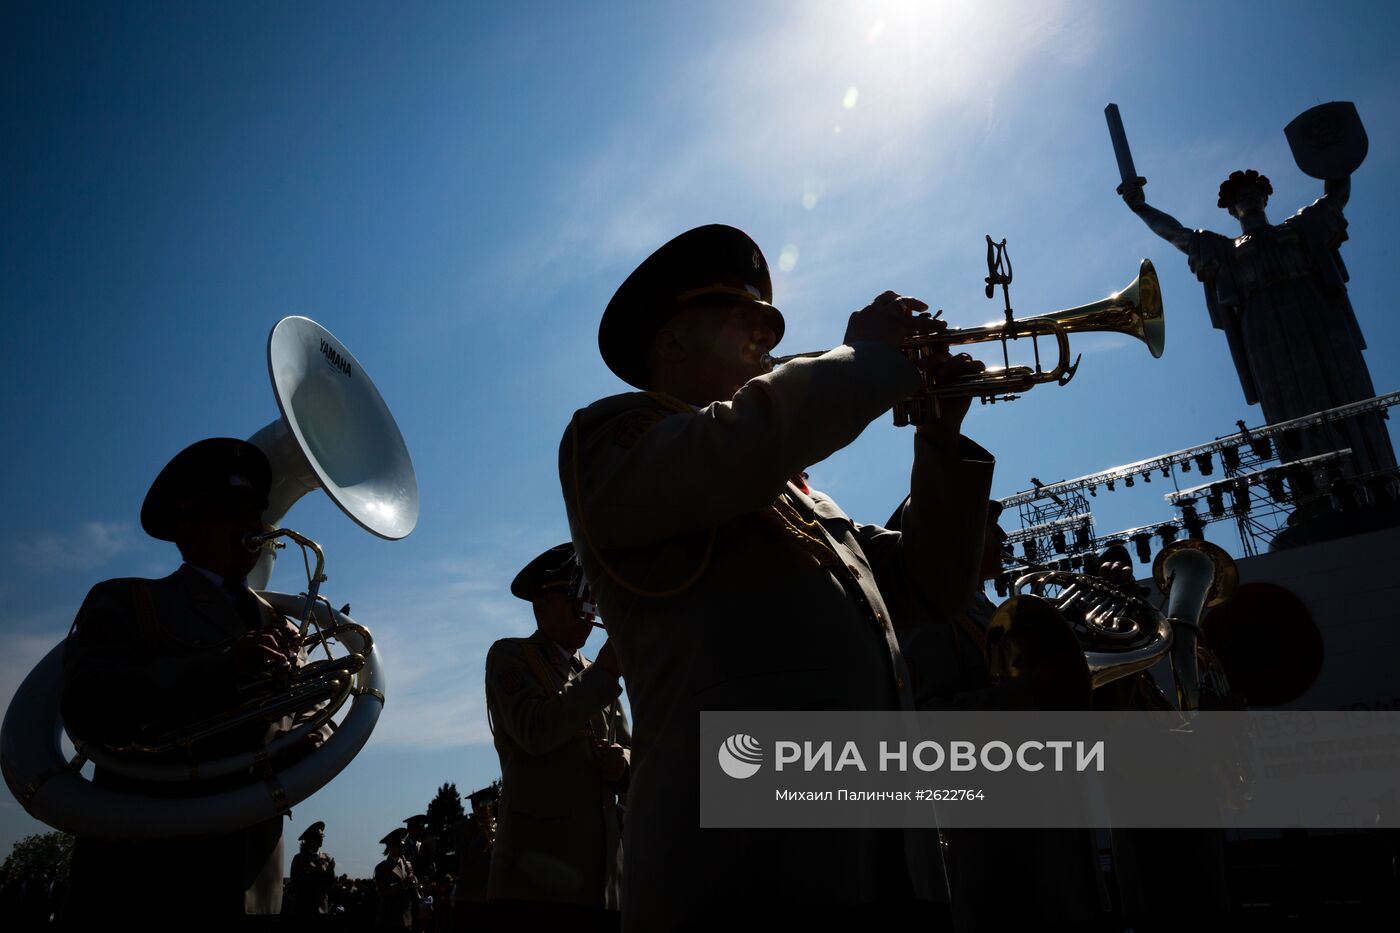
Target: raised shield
{"points": [[1328, 141]]}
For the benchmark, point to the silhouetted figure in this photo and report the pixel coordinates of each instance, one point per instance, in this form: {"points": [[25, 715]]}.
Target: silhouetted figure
{"points": [[145, 655], [1279, 294]]}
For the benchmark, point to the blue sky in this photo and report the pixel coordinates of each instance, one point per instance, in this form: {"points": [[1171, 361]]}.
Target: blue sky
{"points": [[455, 190]]}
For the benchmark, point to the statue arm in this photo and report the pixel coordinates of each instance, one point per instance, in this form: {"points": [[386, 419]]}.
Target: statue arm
{"points": [[1338, 191], [1164, 225]]}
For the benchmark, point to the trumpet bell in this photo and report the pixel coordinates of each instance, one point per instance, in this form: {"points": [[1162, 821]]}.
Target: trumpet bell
{"points": [[1136, 311]]}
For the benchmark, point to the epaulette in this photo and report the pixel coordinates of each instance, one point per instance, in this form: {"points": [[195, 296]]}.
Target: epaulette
{"points": [[641, 411]]}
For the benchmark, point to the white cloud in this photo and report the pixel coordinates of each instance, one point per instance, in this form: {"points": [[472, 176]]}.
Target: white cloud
{"points": [[90, 545], [20, 651]]}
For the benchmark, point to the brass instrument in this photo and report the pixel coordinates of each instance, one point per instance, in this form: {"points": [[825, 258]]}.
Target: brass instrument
{"points": [[317, 689], [1135, 311], [334, 432], [1195, 576], [1119, 632]]}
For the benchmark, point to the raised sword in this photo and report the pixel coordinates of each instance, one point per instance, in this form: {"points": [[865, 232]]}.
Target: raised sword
{"points": [[1121, 152]]}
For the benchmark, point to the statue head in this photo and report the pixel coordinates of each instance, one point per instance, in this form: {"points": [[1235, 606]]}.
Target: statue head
{"points": [[1245, 192]]}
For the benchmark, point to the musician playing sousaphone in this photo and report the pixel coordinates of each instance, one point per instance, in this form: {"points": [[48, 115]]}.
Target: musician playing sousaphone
{"points": [[145, 655]]}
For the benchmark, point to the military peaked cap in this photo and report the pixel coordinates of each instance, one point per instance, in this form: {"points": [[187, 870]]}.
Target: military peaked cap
{"points": [[316, 827], [395, 837], [205, 468], [714, 261], [555, 569]]}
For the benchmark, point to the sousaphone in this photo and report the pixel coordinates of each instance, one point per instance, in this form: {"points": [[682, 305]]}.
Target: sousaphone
{"points": [[334, 433]]}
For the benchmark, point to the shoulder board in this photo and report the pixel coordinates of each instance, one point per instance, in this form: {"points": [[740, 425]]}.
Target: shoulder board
{"points": [[628, 416]]}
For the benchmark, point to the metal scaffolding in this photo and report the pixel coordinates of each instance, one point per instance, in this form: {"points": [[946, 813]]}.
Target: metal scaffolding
{"points": [[1259, 492]]}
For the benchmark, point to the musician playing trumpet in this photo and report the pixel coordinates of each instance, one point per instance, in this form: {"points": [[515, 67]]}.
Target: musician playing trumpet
{"points": [[728, 583], [148, 654], [563, 742]]}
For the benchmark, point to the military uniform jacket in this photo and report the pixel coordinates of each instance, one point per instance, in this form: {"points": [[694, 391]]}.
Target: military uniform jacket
{"points": [[398, 894], [124, 668], [557, 838], [700, 555], [312, 877], [1054, 871]]}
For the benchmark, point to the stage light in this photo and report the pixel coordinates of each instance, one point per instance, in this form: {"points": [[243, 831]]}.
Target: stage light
{"points": [[1186, 466], [1262, 448], [1003, 584], [1230, 456], [1215, 498], [1057, 541], [1076, 563], [1274, 482], [1301, 481], [1167, 533], [1147, 476], [1128, 481], [1032, 552], [1081, 538], [1166, 472], [1142, 541], [1110, 485], [1205, 465], [1239, 498], [1195, 528], [1094, 491]]}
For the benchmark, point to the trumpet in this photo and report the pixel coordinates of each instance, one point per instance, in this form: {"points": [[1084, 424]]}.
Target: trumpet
{"points": [[1135, 311]]}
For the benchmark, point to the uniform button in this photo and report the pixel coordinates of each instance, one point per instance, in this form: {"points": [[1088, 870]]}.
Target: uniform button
{"points": [[854, 572]]}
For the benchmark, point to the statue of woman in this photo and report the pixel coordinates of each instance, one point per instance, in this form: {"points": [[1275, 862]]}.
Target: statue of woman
{"points": [[1279, 293]]}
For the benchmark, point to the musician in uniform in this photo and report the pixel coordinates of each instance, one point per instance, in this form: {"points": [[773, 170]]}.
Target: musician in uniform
{"points": [[396, 884], [474, 834], [564, 748], [728, 587], [1054, 871], [421, 846], [312, 875], [146, 655]]}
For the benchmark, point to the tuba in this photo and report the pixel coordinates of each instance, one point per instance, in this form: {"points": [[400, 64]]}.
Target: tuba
{"points": [[1119, 632], [335, 433], [1135, 311]]}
